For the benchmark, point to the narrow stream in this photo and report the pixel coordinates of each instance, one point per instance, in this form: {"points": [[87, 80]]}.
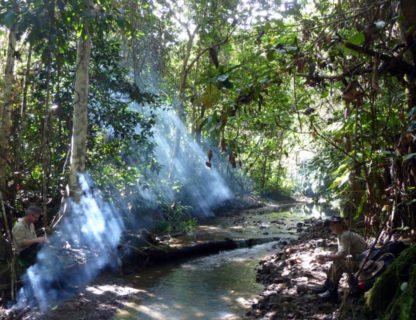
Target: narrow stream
{"points": [[220, 286]]}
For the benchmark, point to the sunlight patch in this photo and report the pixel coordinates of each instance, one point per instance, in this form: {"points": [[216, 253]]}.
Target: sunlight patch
{"points": [[120, 291]]}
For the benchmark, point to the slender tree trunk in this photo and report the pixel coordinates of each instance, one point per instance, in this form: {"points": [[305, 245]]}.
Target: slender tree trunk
{"points": [[80, 116], [133, 42], [10, 240], [199, 125], [21, 126], [6, 109], [264, 173], [45, 151], [408, 13], [46, 124], [356, 192], [406, 144]]}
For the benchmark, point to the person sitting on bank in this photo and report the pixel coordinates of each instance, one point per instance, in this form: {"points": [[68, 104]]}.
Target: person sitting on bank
{"points": [[26, 242], [345, 260]]}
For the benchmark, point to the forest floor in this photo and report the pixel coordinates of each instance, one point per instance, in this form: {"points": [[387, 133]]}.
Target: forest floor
{"points": [[290, 275], [101, 300]]}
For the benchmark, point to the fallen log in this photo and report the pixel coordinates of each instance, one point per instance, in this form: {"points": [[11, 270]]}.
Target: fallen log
{"points": [[139, 258]]}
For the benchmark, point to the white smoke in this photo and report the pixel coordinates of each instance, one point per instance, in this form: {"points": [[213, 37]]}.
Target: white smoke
{"points": [[84, 243], [202, 187]]}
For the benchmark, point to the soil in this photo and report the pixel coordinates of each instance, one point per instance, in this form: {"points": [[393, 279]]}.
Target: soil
{"points": [[291, 275], [100, 300]]}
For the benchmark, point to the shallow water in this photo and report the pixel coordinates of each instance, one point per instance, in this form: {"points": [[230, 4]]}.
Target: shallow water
{"points": [[219, 286]]}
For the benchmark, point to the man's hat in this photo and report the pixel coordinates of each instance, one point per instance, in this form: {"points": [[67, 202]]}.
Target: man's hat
{"points": [[369, 270], [33, 210], [334, 219]]}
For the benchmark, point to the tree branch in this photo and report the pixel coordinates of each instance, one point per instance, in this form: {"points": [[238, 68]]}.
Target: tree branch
{"points": [[394, 65]]}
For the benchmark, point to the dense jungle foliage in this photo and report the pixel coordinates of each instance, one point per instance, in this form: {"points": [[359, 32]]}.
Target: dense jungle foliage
{"points": [[283, 97]]}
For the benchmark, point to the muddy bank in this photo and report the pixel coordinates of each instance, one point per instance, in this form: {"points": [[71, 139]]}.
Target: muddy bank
{"points": [[100, 300], [290, 275]]}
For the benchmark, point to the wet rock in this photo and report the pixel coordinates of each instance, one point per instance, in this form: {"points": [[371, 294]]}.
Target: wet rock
{"points": [[286, 298], [292, 272], [301, 288]]}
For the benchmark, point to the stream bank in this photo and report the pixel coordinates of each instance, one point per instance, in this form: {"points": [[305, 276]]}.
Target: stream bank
{"points": [[290, 275]]}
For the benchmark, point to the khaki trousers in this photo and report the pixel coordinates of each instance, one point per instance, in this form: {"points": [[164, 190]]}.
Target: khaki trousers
{"points": [[339, 267]]}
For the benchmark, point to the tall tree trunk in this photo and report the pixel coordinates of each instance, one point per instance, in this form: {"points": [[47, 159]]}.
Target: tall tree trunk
{"points": [[80, 115], [45, 151], [21, 125], [46, 122], [264, 171], [133, 42], [199, 125], [6, 109], [353, 201], [406, 145]]}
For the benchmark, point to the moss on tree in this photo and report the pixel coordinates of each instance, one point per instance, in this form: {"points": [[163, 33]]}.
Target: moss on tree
{"points": [[393, 296]]}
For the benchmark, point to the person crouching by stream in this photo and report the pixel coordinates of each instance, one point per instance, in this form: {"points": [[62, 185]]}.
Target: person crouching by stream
{"points": [[345, 260], [26, 242]]}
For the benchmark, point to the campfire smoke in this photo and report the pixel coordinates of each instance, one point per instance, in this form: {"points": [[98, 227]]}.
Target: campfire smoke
{"points": [[84, 243], [202, 186]]}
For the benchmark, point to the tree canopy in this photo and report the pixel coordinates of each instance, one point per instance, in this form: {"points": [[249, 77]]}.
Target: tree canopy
{"points": [[277, 97]]}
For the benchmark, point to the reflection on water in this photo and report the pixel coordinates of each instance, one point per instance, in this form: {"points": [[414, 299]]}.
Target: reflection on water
{"points": [[312, 210], [214, 287], [219, 286]]}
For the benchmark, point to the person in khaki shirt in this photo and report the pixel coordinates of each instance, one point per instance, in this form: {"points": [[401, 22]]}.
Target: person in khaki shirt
{"points": [[26, 242], [350, 245]]}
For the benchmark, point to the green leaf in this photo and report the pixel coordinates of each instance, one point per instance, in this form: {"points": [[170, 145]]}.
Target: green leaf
{"points": [[227, 84], [37, 173], [405, 228], [9, 19], [347, 51], [341, 180], [291, 48], [357, 39], [404, 286], [270, 55], [412, 126], [409, 156], [411, 202], [350, 51], [120, 22], [210, 96], [79, 32], [222, 77], [411, 113], [361, 206], [340, 169], [388, 152]]}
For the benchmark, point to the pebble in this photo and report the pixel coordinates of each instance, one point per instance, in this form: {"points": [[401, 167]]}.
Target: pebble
{"points": [[288, 284]]}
